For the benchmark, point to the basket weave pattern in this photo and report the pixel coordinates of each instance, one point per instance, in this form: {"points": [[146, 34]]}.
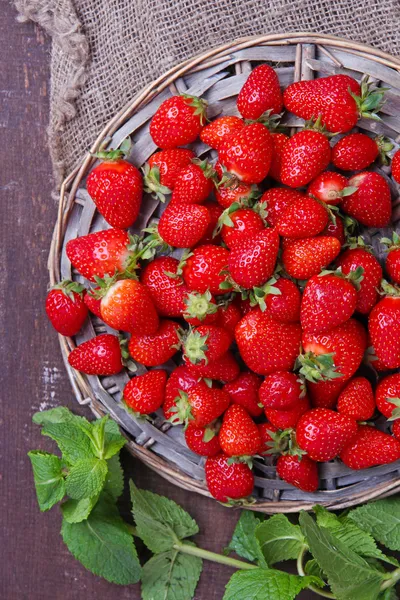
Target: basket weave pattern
{"points": [[218, 77]]}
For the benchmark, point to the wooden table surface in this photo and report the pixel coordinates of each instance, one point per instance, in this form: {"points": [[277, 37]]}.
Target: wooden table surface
{"points": [[35, 564]]}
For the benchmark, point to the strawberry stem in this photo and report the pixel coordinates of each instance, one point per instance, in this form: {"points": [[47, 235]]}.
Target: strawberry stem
{"points": [[117, 153], [213, 556], [301, 572], [152, 184]]}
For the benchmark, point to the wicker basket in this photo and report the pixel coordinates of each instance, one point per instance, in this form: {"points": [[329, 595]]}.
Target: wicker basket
{"points": [[217, 76]]}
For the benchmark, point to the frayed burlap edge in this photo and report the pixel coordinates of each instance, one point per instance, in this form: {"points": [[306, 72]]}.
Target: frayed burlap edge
{"points": [[59, 19]]}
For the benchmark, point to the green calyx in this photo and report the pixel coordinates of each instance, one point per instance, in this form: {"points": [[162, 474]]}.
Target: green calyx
{"points": [[317, 368], [317, 125], [371, 100], [152, 243], [391, 244], [199, 105], [284, 443], [211, 431], [269, 119], [354, 242], [182, 411], [207, 168], [384, 146], [387, 289], [104, 284], [396, 411], [247, 460], [198, 306], [70, 288], [152, 184], [115, 154], [258, 294], [125, 356], [195, 347], [354, 276]]}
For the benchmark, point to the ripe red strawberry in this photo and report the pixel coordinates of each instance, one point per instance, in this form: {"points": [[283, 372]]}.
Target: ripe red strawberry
{"points": [[370, 448], [183, 225], [345, 346], [200, 309], [201, 404], [338, 99], [213, 133], [181, 379], [336, 230], [240, 225], [277, 201], [166, 288], [116, 188], [178, 121], [387, 396], [93, 304], [283, 301], [396, 429], [215, 211], [126, 305], [157, 348], [392, 263], [247, 154], [260, 93], [357, 399], [99, 356], [224, 369], [239, 435], [371, 204], [351, 260], [384, 327], [281, 390], [202, 440], [65, 307], [244, 392], [144, 394], [358, 151], [202, 270], [330, 187], [205, 344], [265, 430], [253, 262], [288, 419], [279, 140], [305, 217], [266, 345], [194, 183], [300, 471], [396, 166], [304, 258], [229, 316], [372, 360], [235, 191], [325, 394], [304, 156], [101, 253], [162, 170], [329, 299], [228, 481], [323, 433]]}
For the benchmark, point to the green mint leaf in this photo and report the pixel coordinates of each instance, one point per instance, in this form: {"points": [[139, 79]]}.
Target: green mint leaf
{"points": [[60, 414], [160, 522], [103, 544], [351, 535], [49, 478], [75, 511], [113, 439], [171, 576], [279, 539], [72, 441], [266, 584], [86, 478], [381, 519], [349, 575], [97, 434], [244, 541], [389, 594], [114, 483]]}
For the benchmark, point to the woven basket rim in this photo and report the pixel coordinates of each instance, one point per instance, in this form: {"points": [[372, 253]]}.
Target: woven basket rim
{"points": [[70, 185]]}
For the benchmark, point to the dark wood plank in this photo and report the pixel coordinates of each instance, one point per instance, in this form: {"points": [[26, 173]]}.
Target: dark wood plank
{"points": [[36, 564]]}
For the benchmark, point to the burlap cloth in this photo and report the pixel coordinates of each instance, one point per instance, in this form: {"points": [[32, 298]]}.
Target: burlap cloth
{"points": [[104, 51]]}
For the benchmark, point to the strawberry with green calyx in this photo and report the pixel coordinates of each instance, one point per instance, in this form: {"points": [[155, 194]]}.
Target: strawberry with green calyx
{"points": [[231, 190], [200, 309], [396, 166], [384, 326], [194, 183], [181, 379], [281, 390], [161, 172], [288, 419], [236, 224], [358, 256], [266, 432], [282, 300], [203, 267], [178, 121], [144, 394], [305, 217], [205, 344], [228, 482], [329, 299], [116, 187], [224, 369], [156, 349], [216, 131], [166, 287], [393, 258], [357, 399], [317, 368], [203, 440], [239, 436], [371, 203], [93, 304], [299, 471], [229, 314], [253, 262], [261, 92], [244, 392], [330, 187], [358, 151], [66, 308], [369, 448], [181, 225], [304, 258], [215, 211], [201, 404], [100, 355], [387, 396]]}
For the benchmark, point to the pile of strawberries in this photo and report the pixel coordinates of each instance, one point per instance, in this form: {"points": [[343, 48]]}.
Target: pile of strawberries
{"points": [[270, 299]]}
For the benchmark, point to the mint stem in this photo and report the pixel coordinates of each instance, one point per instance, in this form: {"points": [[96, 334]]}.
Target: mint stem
{"points": [[218, 558], [301, 572], [394, 577], [132, 530]]}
